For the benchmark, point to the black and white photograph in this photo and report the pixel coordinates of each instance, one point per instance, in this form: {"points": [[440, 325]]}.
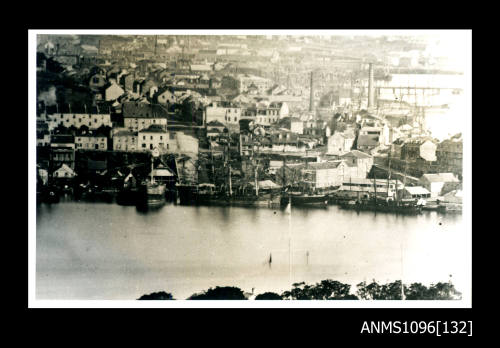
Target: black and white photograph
{"points": [[250, 168]]}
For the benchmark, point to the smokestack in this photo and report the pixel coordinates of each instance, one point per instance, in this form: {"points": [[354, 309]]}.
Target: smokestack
{"points": [[311, 98], [371, 94]]}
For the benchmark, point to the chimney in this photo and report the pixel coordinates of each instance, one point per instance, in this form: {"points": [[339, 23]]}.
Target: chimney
{"points": [[311, 98], [371, 93]]}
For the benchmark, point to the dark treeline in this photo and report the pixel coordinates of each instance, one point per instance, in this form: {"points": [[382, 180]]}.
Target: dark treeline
{"points": [[330, 290]]}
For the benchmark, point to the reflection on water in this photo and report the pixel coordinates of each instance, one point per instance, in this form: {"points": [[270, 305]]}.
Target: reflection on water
{"points": [[107, 251]]}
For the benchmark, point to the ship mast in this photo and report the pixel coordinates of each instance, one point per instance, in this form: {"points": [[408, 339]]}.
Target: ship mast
{"points": [[152, 178]]}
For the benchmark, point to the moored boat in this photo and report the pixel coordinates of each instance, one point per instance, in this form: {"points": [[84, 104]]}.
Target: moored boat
{"points": [[304, 199], [155, 194], [398, 207]]}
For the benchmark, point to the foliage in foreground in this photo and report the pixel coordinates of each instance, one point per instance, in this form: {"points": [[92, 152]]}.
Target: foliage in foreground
{"points": [[269, 296], [330, 290], [162, 295], [220, 293]]}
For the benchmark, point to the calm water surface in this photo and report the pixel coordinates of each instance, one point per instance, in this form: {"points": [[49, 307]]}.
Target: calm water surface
{"points": [[105, 251]]}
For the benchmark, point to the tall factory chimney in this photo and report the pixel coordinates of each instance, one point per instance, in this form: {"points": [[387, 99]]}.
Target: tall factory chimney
{"points": [[311, 98], [371, 94]]}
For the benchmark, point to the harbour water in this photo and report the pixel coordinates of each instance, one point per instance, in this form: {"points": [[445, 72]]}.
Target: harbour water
{"points": [[99, 251]]}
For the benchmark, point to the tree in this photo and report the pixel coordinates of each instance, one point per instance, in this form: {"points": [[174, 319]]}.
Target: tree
{"points": [[325, 290], [269, 296], [374, 291], [439, 291], [161, 295], [220, 293], [416, 291]]}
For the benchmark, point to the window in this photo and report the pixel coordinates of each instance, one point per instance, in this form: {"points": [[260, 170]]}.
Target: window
{"points": [[161, 137], [151, 146], [143, 137], [167, 146], [151, 137]]}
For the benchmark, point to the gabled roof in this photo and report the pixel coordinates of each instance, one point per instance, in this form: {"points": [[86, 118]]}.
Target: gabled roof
{"points": [[163, 171], [440, 177], [357, 154], [154, 128], [215, 123], [324, 165], [143, 110], [417, 190]]}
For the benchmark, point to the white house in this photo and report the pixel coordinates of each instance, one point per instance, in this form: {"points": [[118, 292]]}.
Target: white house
{"points": [[225, 115], [125, 140], [435, 182], [91, 142], [156, 136]]}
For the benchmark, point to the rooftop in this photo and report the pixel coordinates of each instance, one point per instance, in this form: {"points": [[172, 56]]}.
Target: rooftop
{"points": [[357, 154], [154, 128], [441, 177]]}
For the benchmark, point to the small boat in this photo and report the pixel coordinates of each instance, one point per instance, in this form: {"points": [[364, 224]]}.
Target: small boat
{"points": [[450, 208], [398, 207], [304, 199], [155, 194]]}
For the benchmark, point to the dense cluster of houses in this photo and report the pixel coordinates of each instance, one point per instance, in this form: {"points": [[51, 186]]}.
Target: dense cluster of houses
{"points": [[136, 104]]}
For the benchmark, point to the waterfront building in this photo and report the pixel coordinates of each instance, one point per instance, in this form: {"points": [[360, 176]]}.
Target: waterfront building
{"points": [[139, 115], [64, 172], [358, 187], [413, 192], [436, 182], [419, 149], [62, 151], [156, 136], [449, 154], [91, 141], [92, 121], [125, 140], [325, 175], [359, 162]]}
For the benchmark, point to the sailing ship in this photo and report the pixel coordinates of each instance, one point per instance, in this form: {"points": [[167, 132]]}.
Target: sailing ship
{"points": [[208, 193], [299, 196], [154, 191], [388, 205]]}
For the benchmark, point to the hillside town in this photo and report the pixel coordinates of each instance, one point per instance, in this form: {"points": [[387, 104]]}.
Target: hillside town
{"points": [[243, 120]]}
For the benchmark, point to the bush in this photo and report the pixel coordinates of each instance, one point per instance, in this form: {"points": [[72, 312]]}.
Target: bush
{"points": [[220, 293], [269, 296], [325, 290], [162, 295]]}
